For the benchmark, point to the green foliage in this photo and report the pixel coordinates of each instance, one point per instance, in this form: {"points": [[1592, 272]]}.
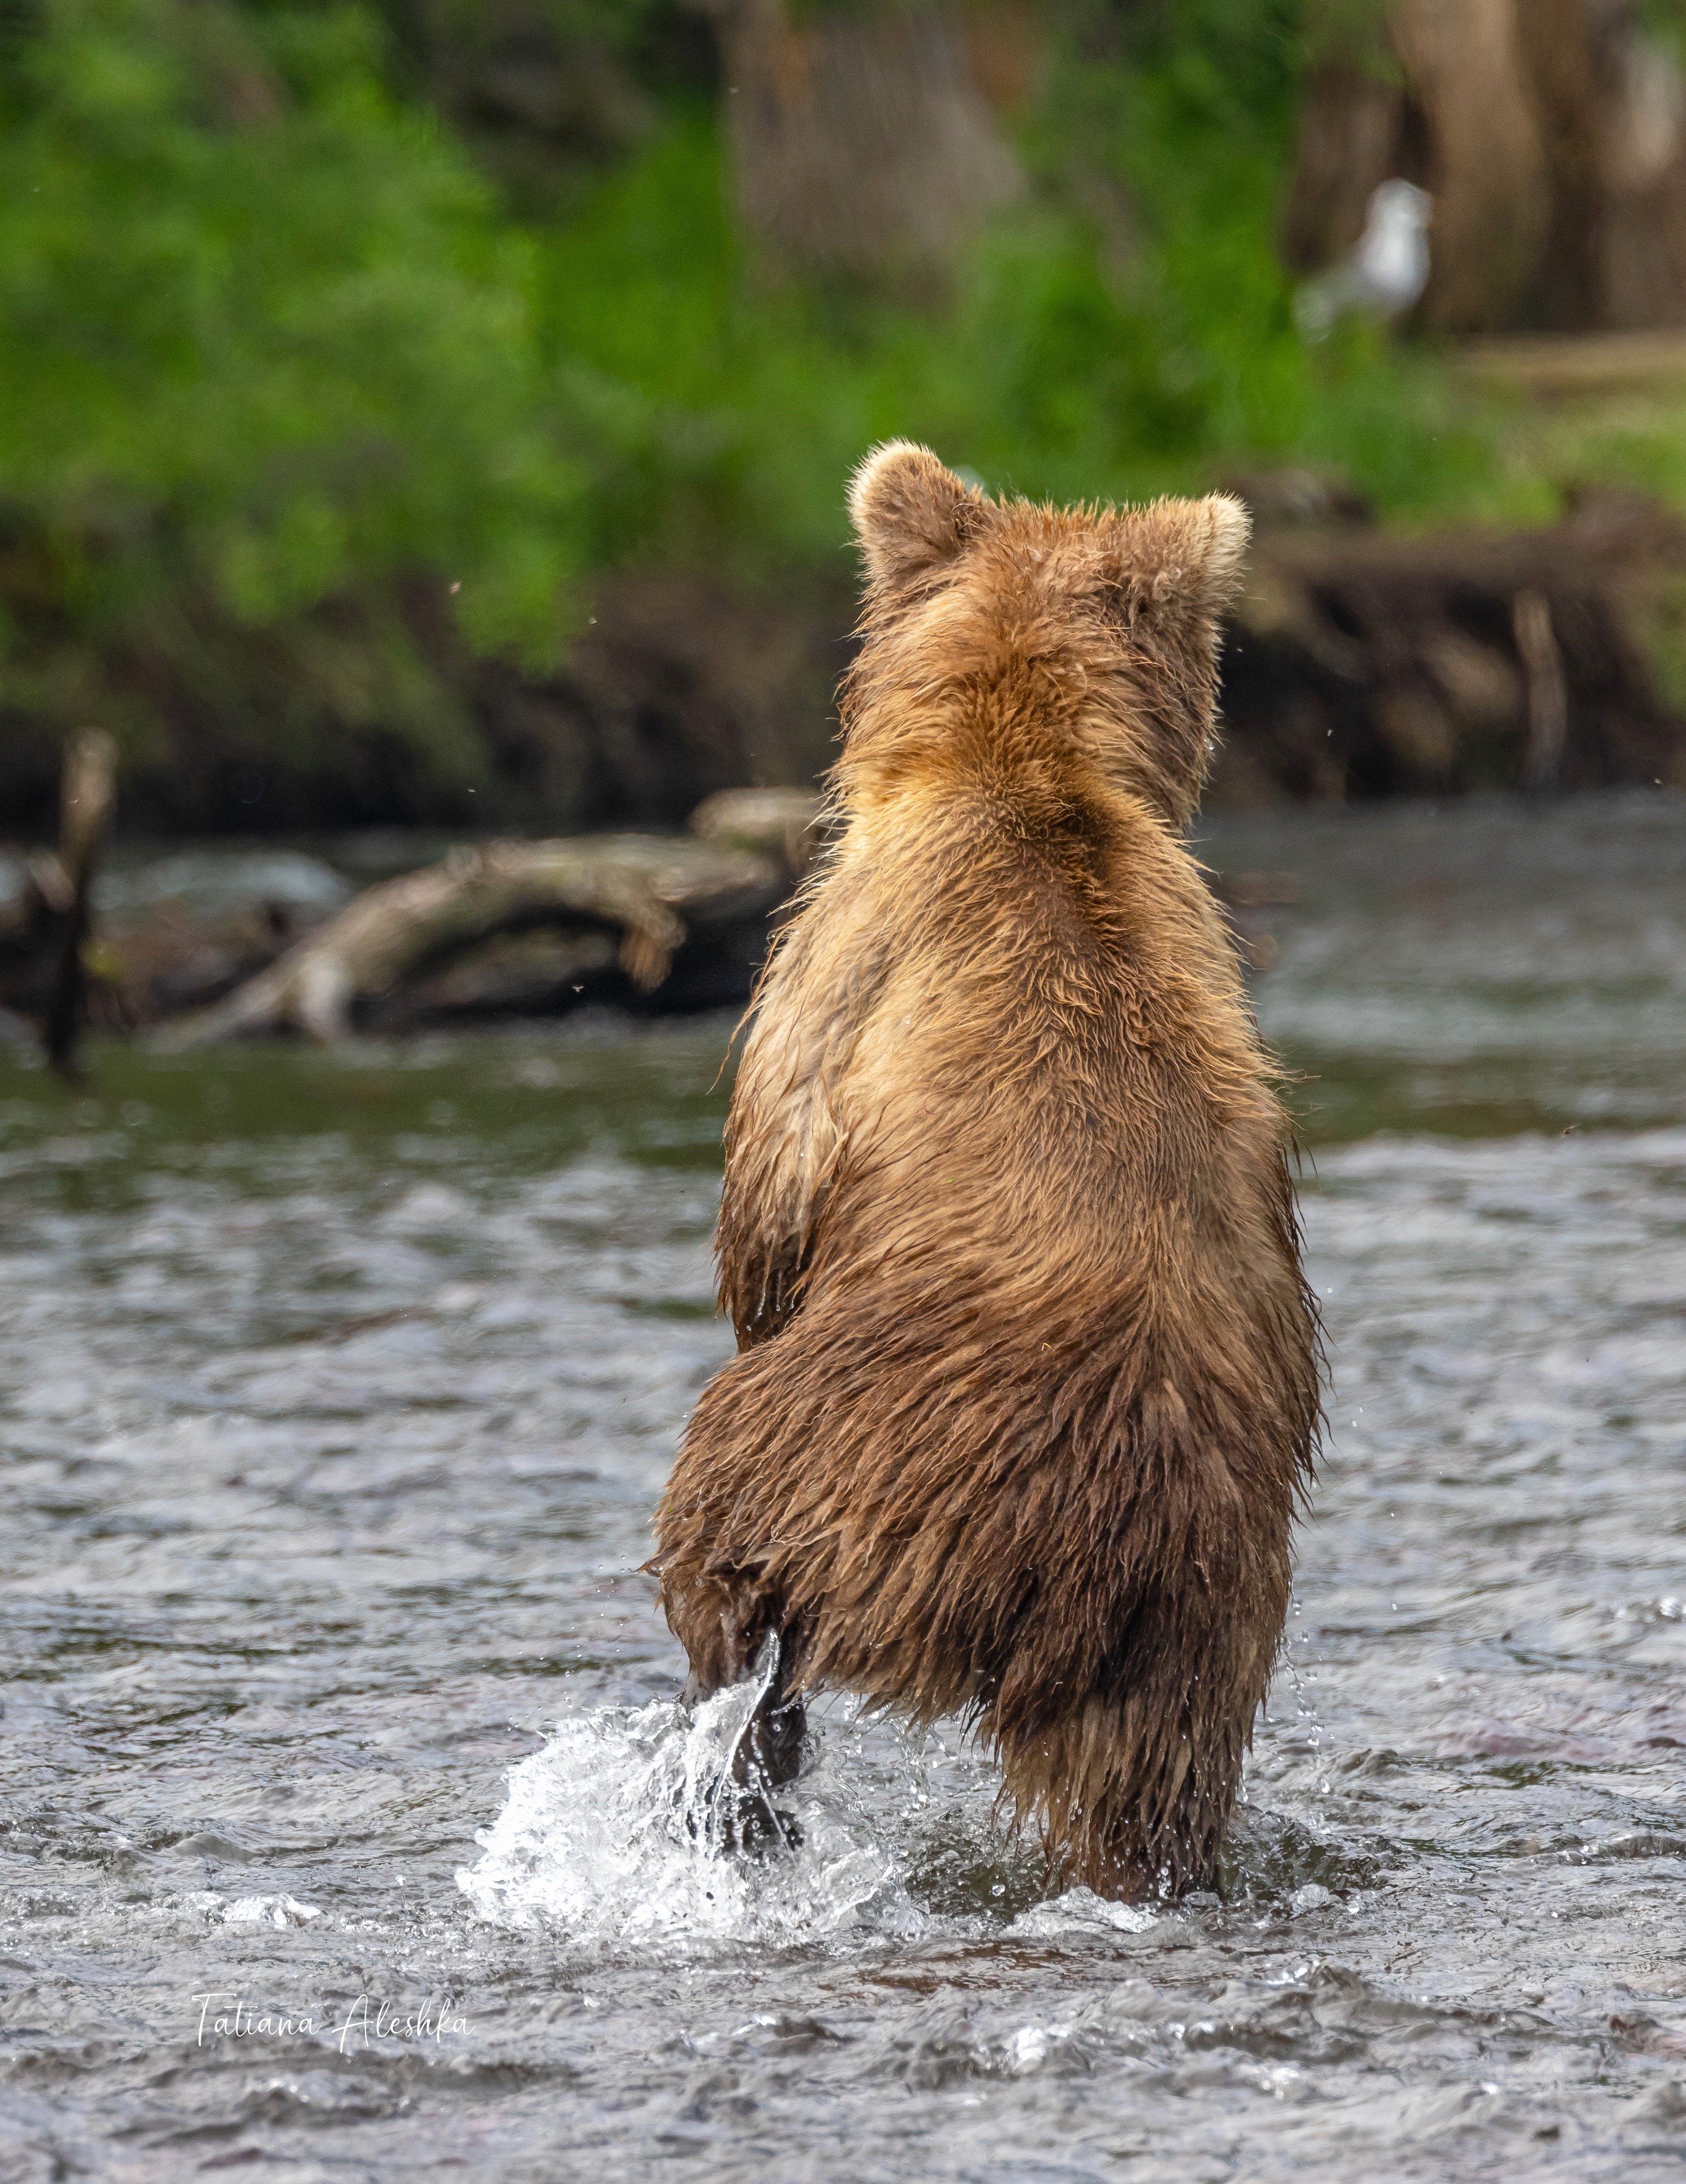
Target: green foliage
{"points": [[1131, 332], [275, 344], [268, 337], [1666, 20]]}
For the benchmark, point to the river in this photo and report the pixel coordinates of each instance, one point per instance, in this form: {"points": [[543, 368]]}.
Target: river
{"points": [[339, 1741]]}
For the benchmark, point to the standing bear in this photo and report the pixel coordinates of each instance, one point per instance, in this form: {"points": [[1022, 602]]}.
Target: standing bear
{"points": [[1027, 1381]]}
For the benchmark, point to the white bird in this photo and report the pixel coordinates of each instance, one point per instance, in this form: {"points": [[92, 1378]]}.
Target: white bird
{"points": [[1384, 272]]}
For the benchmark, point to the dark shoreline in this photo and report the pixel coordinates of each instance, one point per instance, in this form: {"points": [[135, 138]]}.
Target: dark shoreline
{"points": [[1360, 665]]}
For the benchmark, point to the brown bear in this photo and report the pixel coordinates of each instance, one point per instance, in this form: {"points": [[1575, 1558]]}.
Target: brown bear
{"points": [[1028, 1374]]}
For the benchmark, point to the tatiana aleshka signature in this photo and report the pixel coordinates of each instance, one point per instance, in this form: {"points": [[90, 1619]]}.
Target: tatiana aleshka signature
{"points": [[225, 2014]]}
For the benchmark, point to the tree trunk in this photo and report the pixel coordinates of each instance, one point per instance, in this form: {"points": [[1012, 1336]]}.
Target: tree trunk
{"points": [[1552, 137], [1486, 166], [1353, 125], [1611, 105], [861, 139]]}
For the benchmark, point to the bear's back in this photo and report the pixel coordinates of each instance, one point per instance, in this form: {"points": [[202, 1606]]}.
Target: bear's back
{"points": [[1057, 1082]]}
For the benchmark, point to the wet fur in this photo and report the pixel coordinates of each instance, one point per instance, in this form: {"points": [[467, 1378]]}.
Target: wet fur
{"points": [[1027, 1381]]}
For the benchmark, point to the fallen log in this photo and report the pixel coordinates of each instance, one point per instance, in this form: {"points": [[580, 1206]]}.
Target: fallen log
{"points": [[650, 891], [541, 972]]}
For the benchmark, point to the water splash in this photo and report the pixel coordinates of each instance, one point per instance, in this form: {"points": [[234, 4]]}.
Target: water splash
{"points": [[611, 1837]]}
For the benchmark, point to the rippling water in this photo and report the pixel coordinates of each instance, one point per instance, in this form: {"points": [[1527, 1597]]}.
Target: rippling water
{"points": [[336, 1393]]}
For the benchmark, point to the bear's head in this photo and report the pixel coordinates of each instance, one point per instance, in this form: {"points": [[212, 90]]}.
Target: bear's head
{"points": [[1094, 628]]}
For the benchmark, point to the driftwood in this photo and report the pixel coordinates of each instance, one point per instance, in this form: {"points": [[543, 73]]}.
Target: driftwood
{"points": [[539, 972], [48, 981], [89, 792], [648, 889], [786, 823]]}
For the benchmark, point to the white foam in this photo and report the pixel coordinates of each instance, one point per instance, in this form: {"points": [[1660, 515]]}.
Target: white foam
{"points": [[270, 1911], [1080, 1909], [594, 1843]]}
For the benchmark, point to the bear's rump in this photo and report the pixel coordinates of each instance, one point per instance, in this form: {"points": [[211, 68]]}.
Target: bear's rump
{"points": [[971, 1526]]}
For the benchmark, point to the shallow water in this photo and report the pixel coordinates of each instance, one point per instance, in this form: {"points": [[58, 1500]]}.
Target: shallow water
{"points": [[337, 1393]]}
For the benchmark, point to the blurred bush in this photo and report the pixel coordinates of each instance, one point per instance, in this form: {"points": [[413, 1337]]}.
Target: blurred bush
{"points": [[348, 348], [269, 345]]}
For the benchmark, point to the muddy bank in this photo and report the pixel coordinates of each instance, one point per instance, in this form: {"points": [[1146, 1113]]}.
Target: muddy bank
{"points": [[1359, 665], [373, 713]]}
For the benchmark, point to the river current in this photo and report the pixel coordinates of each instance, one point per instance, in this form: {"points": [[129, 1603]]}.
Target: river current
{"points": [[339, 1755]]}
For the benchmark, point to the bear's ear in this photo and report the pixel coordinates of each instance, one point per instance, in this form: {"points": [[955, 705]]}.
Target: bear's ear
{"points": [[910, 514], [1229, 525], [1186, 554]]}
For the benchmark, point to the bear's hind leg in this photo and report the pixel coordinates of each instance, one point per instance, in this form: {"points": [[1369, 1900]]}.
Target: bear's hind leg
{"points": [[735, 1808], [1133, 1800]]}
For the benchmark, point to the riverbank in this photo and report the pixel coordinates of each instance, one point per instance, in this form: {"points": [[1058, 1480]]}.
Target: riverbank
{"points": [[1360, 663]]}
